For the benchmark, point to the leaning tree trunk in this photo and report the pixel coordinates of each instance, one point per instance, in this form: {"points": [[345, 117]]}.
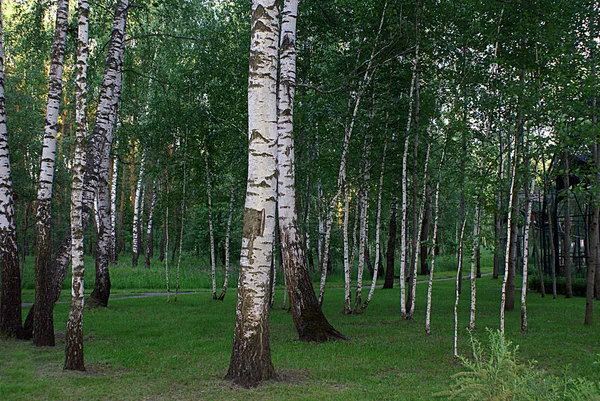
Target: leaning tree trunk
{"points": [[100, 139], [10, 301], [458, 279], [308, 317], [74, 334], [137, 206], [43, 320], [251, 355], [113, 210]]}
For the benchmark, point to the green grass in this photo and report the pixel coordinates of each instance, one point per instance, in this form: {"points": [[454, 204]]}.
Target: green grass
{"points": [[148, 349]]}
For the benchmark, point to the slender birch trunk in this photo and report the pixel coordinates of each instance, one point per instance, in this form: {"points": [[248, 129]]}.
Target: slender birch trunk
{"points": [[137, 206], [100, 139], [251, 354], [74, 359], [308, 317], [10, 301], [418, 228], [391, 248], [458, 279], [213, 264], [434, 237], [181, 230], [404, 209], [341, 184], [347, 263], [513, 179], [149, 228], [474, 252], [227, 238], [377, 231], [528, 208], [43, 321], [167, 254]]}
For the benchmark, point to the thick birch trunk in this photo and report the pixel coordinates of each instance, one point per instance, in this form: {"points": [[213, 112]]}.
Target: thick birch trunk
{"points": [[149, 227], [227, 238], [308, 317], [137, 206], [100, 139], [513, 178], [528, 208], [74, 334], [211, 232], [43, 321], [10, 301], [251, 354]]}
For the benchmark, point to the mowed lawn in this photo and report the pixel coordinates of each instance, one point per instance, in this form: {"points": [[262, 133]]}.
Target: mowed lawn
{"points": [[148, 349]]}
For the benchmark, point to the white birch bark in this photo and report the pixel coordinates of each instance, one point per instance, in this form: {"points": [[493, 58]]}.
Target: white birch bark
{"points": [[347, 263], [419, 228], [227, 240], [458, 277], [251, 354], [508, 240], [434, 236], [74, 334], [149, 227], [43, 332], [213, 264], [10, 300], [321, 227], [137, 205], [473, 277], [113, 209], [167, 253], [528, 208]]}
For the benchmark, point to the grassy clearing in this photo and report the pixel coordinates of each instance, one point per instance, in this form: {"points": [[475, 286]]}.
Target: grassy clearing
{"points": [[139, 349]]}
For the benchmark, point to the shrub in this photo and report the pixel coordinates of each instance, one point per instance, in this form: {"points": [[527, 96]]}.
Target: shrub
{"points": [[496, 374]]}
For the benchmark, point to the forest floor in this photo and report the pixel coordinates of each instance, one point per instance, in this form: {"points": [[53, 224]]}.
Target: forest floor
{"points": [[148, 349]]}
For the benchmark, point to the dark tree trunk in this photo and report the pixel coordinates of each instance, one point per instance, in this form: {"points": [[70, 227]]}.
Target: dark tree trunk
{"points": [[391, 248], [161, 255], [567, 233]]}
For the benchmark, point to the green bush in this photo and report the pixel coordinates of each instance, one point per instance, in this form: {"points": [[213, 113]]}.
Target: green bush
{"points": [[579, 285], [496, 374]]}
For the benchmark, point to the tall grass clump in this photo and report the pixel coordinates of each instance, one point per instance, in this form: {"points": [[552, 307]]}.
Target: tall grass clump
{"points": [[495, 373]]}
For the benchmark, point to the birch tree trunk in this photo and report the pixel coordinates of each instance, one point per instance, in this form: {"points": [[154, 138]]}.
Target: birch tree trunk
{"points": [[149, 228], [137, 206], [167, 252], [347, 262], [458, 279], [251, 354], [10, 301], [181, 229], [43, 321], [227, 238], [528, 208], [213, 264], [474, 252], [100, 139], [74, 359], [308, 317], [434, 237], [513, 178], [391, 247]]}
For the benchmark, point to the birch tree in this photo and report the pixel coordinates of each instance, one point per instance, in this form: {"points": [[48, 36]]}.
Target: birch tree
{"points": [[227, 241], [100, 139], [251, 354], [211, 232], [74, 359], [10, 301], [309, 320], [43, 320], [150, 225], [137, 206]]}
